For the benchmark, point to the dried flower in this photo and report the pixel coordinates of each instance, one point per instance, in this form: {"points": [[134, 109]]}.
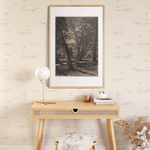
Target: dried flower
{"points": [[143, 137], [144, 129], [140, 134], [143, 144]]}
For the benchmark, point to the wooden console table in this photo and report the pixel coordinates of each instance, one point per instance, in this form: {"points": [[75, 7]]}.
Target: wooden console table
{"points": [[75, 110]]}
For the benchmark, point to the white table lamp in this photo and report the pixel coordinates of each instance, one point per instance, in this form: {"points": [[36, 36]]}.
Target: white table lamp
{"points": [[43, 73]]}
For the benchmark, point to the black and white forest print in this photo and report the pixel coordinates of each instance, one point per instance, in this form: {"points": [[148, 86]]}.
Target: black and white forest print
{"points": [[76, 46]]}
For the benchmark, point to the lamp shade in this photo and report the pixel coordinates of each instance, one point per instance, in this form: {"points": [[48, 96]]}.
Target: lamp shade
{"points": [[42, 73]]}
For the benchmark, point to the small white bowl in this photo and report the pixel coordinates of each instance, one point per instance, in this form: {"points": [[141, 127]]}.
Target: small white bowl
{"points": [[102, 95]]}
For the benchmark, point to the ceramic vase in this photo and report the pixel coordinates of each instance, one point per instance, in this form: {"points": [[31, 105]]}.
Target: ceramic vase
{"points": [[140, 148]]}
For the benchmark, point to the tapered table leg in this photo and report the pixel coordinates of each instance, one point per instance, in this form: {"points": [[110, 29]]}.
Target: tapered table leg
{"points": [[94, 144], [56, 145], [111, 134], [40, 134]]}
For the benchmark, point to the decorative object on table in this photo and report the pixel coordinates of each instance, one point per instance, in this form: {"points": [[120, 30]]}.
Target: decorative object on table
{"points": [[76, 46], [103, 99], [138, 136], [102, 95], [86, 98], [43, 73], [76, 141]]}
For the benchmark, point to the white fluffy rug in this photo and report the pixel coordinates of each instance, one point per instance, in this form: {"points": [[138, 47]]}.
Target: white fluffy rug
{"points": [[76, 141]]}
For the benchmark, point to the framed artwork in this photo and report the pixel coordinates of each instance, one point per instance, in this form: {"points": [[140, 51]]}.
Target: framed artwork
{"points": [[76, 46]]}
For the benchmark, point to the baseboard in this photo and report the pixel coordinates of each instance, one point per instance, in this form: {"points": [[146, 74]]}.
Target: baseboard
{"points": [[19, 147], [12, 147]]}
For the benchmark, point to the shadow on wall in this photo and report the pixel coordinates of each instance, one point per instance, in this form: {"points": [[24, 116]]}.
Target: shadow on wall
{"points": [[25, 75]]}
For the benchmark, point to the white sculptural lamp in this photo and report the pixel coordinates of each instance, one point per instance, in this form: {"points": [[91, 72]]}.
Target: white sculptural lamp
{"points": [[43, 73]]}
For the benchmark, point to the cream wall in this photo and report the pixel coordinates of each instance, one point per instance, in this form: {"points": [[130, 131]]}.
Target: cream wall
{"points": [[24, 47]]}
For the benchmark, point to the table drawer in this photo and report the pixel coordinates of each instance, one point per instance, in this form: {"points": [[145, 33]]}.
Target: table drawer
{"points": [[79, 113]]}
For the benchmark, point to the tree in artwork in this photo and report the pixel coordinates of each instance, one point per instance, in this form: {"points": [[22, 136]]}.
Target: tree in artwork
{"points": [[76, 47]]}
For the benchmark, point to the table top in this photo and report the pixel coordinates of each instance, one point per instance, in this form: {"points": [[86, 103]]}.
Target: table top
{"points": [[67, 105]]}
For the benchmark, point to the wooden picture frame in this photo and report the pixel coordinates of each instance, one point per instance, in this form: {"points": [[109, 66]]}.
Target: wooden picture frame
{"points": [[76, 46]]}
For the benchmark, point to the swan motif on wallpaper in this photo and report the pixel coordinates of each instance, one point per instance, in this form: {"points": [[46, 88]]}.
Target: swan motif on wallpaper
{"points": [[142, 21], [122, 7], [4, 20], [128, 44], [46, 40], [4, 42], [4, 136], [122, 54], [118, 31], [34, 44], [28, 7], [4, 89], [4, 112], [141, 113], [26, 100], [118, 77], [25, 124], [28, 53], [43, 21], [143, 42], [4, 66], [124, 102], [148, 54], [25, 31], [142, 68], [142, 88], [24, 76]]}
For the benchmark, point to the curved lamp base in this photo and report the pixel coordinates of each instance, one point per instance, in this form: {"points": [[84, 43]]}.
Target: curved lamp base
{"points": [[45, 103]]}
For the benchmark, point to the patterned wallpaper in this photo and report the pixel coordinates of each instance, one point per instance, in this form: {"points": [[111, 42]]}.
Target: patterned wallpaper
{"points": [[24, 47]]}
